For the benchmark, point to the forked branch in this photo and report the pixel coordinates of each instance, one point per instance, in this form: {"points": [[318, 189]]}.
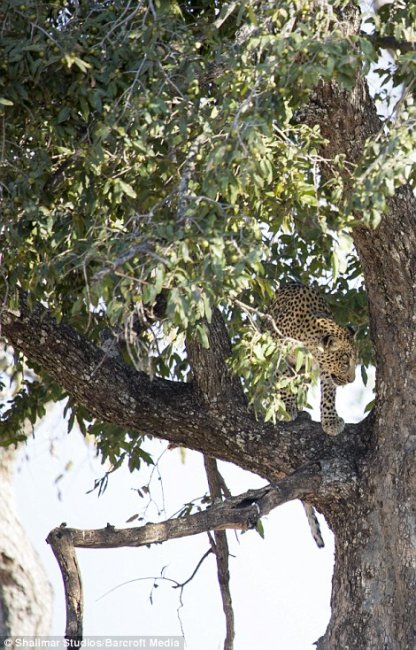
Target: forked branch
{"points": [[240, 512]]}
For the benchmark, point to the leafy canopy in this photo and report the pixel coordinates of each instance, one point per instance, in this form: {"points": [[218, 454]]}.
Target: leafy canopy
{"points": [[156, 149]]}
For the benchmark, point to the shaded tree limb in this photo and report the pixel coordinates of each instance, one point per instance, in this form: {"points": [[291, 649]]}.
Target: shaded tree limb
{"points": [[240, 512], [392, 43], [64, 551], [179, 412], [213, 377]]}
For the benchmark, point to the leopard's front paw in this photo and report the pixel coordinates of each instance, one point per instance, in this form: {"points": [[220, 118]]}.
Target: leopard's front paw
{"points": [[333, 426]]}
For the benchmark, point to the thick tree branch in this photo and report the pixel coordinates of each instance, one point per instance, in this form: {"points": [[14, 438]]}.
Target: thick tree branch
{"points": [[392, 43], [114, 392], [240, 512], [391, 288], [64, 551], [87, 372]]}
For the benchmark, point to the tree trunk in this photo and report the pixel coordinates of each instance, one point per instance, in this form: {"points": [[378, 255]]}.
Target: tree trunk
{"points": [[374, 604], [374, 584], [25, 593], [373, 596]]}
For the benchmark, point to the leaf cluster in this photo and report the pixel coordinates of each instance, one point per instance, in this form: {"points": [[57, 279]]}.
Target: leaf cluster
{"points": [[156, 148]]}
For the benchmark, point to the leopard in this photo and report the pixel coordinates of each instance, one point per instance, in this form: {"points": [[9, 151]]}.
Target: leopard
{"points": [[301, 313]]}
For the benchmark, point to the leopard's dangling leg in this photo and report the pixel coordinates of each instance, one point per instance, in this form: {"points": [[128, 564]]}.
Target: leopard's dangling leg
{"points": [[331, 423]]}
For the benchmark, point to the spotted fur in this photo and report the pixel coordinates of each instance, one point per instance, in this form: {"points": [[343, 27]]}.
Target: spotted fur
{"points": [[301, 313]]}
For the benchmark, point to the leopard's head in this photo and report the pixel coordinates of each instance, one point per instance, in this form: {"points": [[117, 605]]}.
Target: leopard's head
{"points": [[335, 351]]}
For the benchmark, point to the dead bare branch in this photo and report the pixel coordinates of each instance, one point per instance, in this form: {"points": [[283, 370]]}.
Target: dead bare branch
{"points": [[240, 512], [64, 551]]}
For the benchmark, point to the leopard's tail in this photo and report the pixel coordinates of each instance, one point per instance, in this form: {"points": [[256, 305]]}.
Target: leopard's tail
{"points": [[313, 524]]}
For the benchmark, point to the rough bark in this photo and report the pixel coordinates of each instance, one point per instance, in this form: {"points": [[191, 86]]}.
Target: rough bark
{"points": [[373, 603], [374, 582], [375, 577], [25, 593]]}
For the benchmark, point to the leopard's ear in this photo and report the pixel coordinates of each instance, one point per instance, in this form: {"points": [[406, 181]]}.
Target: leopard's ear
{"points": [[328, 327]]}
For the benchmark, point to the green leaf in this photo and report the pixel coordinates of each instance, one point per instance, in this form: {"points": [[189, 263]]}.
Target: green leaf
{"points": [[63, 114], [203, 335], [125, 188], [364, 375], [369, 406], [335, 265], [260, 528], [300, 359]]}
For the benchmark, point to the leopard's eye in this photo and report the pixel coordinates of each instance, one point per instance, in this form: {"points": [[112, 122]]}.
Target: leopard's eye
{"points": [[345, 360]]}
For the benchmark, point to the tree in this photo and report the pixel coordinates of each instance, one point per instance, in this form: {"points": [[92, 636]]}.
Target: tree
{"points": [[25, 594], [164, 166]]}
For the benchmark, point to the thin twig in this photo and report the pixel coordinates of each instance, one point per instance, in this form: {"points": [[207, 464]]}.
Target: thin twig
{"points": [[219, 545]]}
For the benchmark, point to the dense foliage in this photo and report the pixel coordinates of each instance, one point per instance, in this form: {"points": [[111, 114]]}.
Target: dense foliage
{"points": [[157, 149]]}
